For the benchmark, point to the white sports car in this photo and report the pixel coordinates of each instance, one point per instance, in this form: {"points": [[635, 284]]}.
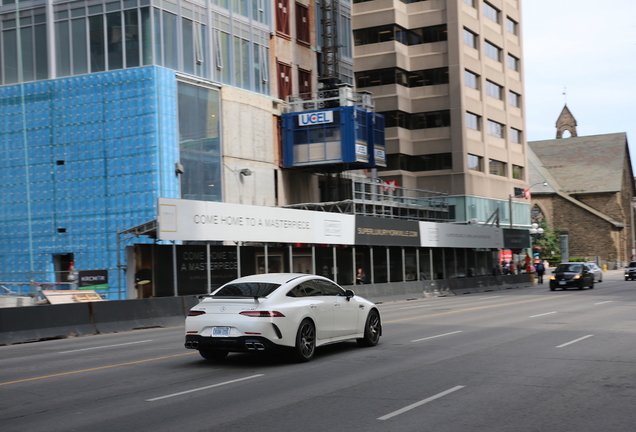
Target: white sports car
{"points": [[278, 310]]}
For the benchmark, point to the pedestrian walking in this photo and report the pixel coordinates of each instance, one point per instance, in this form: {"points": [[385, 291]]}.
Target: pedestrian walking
{"points": [[540, 269]]}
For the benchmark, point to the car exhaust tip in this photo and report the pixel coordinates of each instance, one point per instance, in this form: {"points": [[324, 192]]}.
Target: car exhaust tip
{"points": [[192, 344]]}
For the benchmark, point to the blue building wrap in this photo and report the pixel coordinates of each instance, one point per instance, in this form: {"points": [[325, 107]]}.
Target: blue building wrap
{"points": [[344, 135], [82, 159]]}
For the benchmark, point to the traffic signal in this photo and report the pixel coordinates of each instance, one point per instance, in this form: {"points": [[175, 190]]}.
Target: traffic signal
{"points": [[518, 192]]}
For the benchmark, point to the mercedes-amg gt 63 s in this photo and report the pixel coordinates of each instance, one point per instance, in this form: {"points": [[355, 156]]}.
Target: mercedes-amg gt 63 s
{"points": [[298, 312]]}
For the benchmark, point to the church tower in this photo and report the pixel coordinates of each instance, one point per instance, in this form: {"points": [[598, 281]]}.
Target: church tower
{"points": [[566, 122]]}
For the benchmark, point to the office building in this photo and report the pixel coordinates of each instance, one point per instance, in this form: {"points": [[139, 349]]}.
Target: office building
{"points": [[448, 76]]}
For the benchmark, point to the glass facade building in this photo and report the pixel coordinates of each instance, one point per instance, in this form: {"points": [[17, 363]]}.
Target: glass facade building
{"points": [[106, 106], [224, 41]]}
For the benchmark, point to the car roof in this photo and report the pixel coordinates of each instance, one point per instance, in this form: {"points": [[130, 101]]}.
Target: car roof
{"points": [[279, 278]]}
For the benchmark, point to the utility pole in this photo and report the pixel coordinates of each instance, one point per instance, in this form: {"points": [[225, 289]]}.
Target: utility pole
{"points": [[510, 205]]}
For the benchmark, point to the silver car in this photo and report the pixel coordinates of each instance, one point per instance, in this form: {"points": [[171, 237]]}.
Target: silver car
{"points": [[596, 271]]}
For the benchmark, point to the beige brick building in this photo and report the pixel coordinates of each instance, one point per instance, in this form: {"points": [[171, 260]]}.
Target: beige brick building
{"points": [[448, 76], [589, 194]]}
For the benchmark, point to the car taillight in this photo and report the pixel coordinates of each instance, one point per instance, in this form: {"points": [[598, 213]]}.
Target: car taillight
{"points": [[195, 313], [263, 314]]}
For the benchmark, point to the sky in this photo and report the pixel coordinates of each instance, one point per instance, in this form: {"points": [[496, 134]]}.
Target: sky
{"points": [[588, 48]]}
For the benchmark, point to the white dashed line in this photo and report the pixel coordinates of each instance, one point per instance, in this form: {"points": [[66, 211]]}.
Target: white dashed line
{"points": [[543, 314], [574, 341], [420, 403], [433, 337], [203, 388]]}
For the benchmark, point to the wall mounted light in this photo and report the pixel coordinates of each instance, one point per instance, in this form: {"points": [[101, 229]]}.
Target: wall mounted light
{"points": [[246, 172]]}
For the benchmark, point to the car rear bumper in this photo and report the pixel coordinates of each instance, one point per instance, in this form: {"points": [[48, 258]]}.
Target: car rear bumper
{"points": [[568, 284], [233, 344]]}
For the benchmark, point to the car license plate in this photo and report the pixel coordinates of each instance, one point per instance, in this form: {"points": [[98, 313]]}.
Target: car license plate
{"points": [[561, 282], [220, 331]]}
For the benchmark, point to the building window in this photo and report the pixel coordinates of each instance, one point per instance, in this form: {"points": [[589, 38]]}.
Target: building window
{"points": [[426, 120], [517, 172], [495, 129], [470, 2], [514, 99], [511, 25], [431, 162], [515, 135], [472, 121], [492, 51], [397, 33], [470, 38], [284, 81], [471, 79], [513, 62], [304, 83], [199, 142], [282, 17], [497, 167], [494, 90], [302, 24], [402, 77], [491, 12], [475, 163]]}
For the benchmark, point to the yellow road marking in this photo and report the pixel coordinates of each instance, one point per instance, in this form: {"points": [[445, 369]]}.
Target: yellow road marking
{"points": [[491, 306], [94, 369]]}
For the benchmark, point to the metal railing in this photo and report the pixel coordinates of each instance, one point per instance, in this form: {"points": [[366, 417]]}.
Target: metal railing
{"points": [[373, 197]]}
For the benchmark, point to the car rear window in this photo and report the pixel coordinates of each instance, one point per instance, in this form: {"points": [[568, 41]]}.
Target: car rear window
{"points": [[569, 268], [246, 289]]}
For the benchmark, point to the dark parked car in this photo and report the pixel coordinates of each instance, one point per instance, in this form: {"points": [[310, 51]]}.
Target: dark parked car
{"points": [[630, 271], [572, 275]]}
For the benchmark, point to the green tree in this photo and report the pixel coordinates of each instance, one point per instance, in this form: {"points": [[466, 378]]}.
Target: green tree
{"points": [[549, 243]]}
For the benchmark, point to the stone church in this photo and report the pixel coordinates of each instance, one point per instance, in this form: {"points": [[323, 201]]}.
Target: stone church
{"points": [[589, 192]]}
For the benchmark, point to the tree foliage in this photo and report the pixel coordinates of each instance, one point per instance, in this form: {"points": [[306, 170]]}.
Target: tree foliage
{"points": [[548, 243]]}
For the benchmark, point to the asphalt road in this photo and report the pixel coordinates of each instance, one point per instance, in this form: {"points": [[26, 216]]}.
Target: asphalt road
{"points": [[515, 360]]}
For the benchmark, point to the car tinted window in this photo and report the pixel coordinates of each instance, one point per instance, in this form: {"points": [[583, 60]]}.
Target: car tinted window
{"points": [[632, 264], [296, 291], [569, 268], [311, 288], [246, 289], [329, 288]]}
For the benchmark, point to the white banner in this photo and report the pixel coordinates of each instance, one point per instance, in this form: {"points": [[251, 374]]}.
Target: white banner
{"points": [[460, 236], [214, 221]]}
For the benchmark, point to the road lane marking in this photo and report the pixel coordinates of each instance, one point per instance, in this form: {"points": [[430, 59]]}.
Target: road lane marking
{"points": [[420, 403], [488, 298], [204, 388], [95, 368], [433, 337], [603, 302], [104, 346], [415, 307], [543, 314], [575, 341], [497, 305]]}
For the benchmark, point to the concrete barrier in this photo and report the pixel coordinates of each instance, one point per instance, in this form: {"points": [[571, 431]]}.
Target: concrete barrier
{"points": [[31, 323], [114, 316]]}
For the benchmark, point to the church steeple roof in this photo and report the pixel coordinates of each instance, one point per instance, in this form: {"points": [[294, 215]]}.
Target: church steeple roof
{"points": [[566, 122]]}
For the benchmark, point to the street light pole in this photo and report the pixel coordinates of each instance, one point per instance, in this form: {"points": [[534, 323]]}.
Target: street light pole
{"points": [[545, 183]]}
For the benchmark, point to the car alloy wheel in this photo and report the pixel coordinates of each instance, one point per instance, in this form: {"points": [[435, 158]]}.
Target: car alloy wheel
{"points": [[371, 330], [305, 341]]}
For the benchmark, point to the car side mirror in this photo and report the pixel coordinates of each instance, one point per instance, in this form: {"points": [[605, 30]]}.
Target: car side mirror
{"points": [[349, 293]]}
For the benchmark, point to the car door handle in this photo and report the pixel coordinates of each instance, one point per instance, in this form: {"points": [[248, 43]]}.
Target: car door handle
{"points": [[336, 304], [313, 306]]}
